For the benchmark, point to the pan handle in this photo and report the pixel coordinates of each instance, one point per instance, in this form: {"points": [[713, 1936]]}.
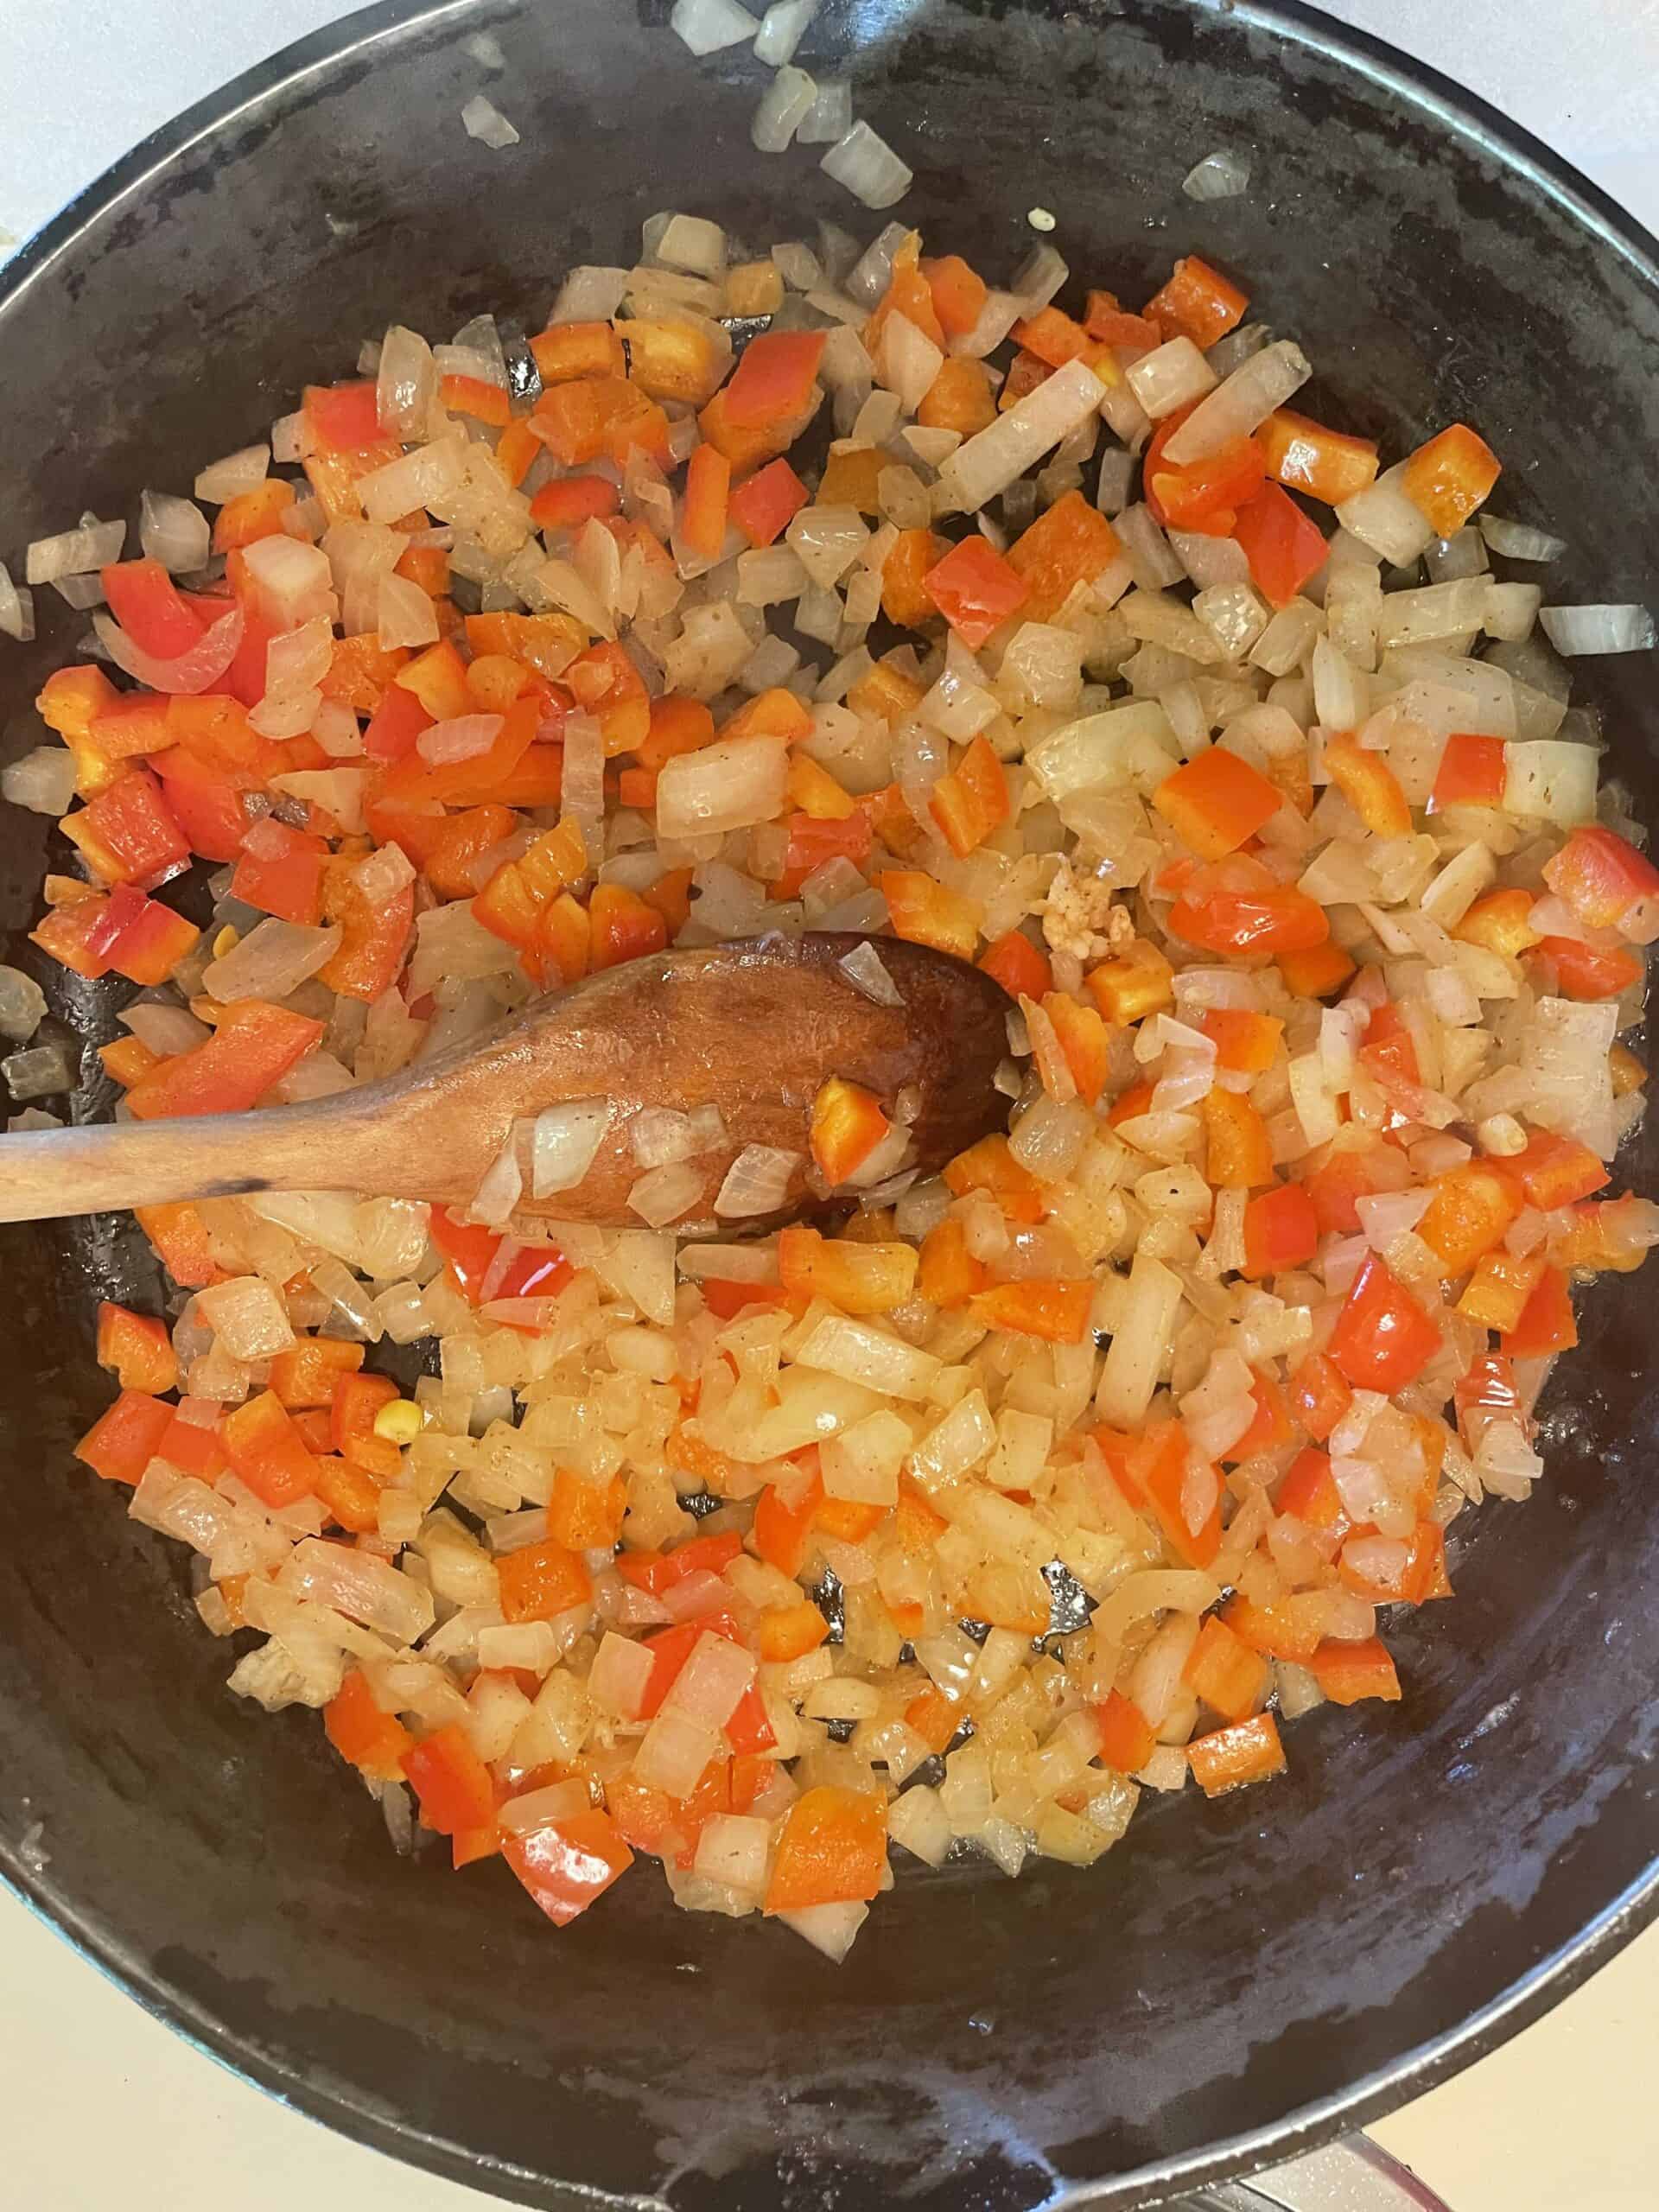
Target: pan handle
{"points": [[1350, 2175]]}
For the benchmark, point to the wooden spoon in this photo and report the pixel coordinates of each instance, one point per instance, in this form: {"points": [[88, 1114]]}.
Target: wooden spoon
{"points": [[754, 1027]]}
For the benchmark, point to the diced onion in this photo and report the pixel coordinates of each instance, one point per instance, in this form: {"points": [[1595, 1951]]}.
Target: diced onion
{"points": [[74, 553], [868, 167], [173, 531], [1241, 405], [1577, 629], [1217, 176], [1519, 541], [710, 26], [464, 737], [43, 781], [830, 116], [989, 462], [757, 1182], [484, 121], [784, 105], [565, 1143], [245, 470]]}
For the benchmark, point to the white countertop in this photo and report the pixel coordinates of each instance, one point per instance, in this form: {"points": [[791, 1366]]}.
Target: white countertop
{"points": [[99, 2105]]}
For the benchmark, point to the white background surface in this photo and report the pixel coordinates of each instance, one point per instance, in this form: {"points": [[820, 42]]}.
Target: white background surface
{"points": [[99, 2105]]}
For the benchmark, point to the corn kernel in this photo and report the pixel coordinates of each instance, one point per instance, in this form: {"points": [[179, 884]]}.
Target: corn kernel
{"points": [[227, 941], [400, 1422]]}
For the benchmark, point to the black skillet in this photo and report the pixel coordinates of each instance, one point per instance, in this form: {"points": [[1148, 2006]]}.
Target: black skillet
{"points": [[1237, 1980]]}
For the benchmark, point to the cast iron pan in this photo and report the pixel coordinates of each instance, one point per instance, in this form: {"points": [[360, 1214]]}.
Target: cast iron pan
{"points": [[1237, 1981]]}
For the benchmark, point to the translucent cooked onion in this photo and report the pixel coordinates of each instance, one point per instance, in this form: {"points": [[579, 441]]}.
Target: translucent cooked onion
{"points": [[465, 737], [274, 958], [1519, 541], [757, 1182], [405, 614], [710, 26], [830, 116], [74, 552], [988, 462], [43, 781], [1242, 405], [784, 105], [16, 609], [866, 971], [1577, 630], [196, 671], [483, 120], [565, 1143], [868, 167], [173, 531], [245, 470], [1217, 176], [782, 29]]}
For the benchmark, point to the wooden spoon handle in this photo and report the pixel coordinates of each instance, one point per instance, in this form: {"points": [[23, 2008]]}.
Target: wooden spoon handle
{"points": [[331, 1144]]}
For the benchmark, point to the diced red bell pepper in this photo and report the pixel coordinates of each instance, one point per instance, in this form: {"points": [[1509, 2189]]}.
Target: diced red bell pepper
{"points": [[1201, 495], [764, 507], [568, 1862], [147, 603], [394, 724], [308, 1374], [1555, 1171], [1602, 877], [536, 1271], [1450, 477], [660, 1571], [254, 1045], [208, 805], [1281, 1231], [813, 842], [139, 937], [374, 936], [1382, 1340], [570, 501], [1582, 971], [374, 1742], [972, 800], [1348, 1672], [452, 1783], [623, 927], [976, 590], [267, 1450], [1127, 1738], [1196, 302], [708, 489], [1319, 1395], [342, 417], [130, 834], [1473, 771], [181, 1242], [124, 1439], [781, 1531], [1547, 1324], [355, 1405], [540, 1581], [1248, 1751], [1322, 464], [773, 380], [833, 1850], [280, 871], [1285, 548]]}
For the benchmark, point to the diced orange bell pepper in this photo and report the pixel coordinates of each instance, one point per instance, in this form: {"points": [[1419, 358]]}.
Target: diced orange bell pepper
{"points": [[764, 507], [959, 398], [1322, 464], [1238, 1151], [1196, 302], [959, 293], [1139, 983], [266, 1450], [585, 1516], [1052, 336], [472, 395], [1248, 1751], [1382, 1340], [179, 1237], [1318, 972], [374, 937], [1275, 918], [832, 1850], [708, 487], [913, 556], [126, 1437], [138, 1348], [1471, 1211], [1201, 495], [1070, 543], [1155, 1472], [774, 380], [975, 589], [673, 357], [780, 1531], [1083, 1041], [1502, 922], [1278, 1631], [1347, 1673], [309, 1373], [1022, 379], [252, 515], [1281, 1231], [1309, 1491], [949, 1274], [254, 1045], [989, 1166], [1245, 1043], [1555, 1171], [622, 926], [374, 1742], [1057, 1312], [1018, 965], [282, 872], [1271, 1430], [1370, 785], [851, 478], [540, 1581], [816, 793], [129, 834], [885, 693], [569, 501], [1225, 1673], [1127, 1738], [127, 1059], [570, 350], [772, 712], [923, 911], [1450, 477], [1285, 548], [846, 1125], [1216, 802], [566, 1864], [789, 1632], [971, 800]]}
